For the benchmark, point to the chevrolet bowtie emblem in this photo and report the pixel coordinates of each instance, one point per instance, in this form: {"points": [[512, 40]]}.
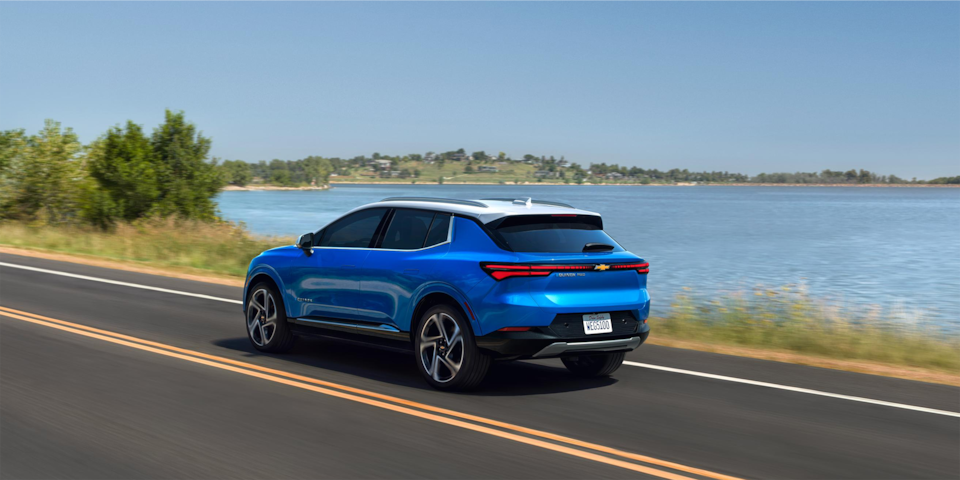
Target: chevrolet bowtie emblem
{"points": [[602, 267]]}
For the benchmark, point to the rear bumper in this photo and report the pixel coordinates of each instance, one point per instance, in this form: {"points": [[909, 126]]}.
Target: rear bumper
{"points": [[544, 344], [558, 349]]}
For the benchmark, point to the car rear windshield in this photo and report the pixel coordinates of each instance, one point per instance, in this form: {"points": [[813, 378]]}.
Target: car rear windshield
{"points": [[553, 234]]}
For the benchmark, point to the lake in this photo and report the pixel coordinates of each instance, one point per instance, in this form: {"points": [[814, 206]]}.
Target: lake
{"points": [[898, 248]]}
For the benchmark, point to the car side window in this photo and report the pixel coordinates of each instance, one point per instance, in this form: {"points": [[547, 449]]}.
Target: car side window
{"points": [[355, 230], [438, 230], [407, 229]]}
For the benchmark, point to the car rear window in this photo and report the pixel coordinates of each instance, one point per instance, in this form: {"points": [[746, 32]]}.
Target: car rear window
{"points": [[551, 233], [415, 229]]}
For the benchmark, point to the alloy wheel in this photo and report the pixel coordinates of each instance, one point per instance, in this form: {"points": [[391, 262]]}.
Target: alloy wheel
{"points": [[441, 347], [262, 317]]}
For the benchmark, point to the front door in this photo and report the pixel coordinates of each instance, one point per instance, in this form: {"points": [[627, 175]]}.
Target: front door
{"points": [[328, 285]]}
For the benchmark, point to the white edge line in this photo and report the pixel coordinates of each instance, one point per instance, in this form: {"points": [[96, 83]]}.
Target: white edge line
{"points": [[794, 389], [124, 284], [632, 364]]}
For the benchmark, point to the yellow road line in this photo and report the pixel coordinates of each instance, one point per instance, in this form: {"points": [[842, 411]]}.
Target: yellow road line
{"points": [[303, 382]]}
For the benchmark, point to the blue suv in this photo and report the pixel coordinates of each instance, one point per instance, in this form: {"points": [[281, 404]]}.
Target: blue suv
{"points": [[460, 282]]}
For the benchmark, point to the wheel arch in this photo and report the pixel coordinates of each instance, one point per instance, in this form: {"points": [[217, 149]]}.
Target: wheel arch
{"points": [[263, 275], [438, 297]]}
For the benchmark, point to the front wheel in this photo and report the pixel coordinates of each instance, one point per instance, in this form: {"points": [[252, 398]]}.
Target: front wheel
{"points": [[597, 365], [447, 354], [267, 321]]}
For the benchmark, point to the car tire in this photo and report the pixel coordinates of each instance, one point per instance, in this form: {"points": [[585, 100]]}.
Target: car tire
{"points": [[447, 354], [596, 365], [266, 320]]}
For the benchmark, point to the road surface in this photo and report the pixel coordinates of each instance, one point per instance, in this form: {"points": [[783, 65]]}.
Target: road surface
{"points": [[112, 374]]}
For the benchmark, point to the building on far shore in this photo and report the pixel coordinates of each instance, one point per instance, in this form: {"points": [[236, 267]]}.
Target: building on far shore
{"points": [[546, 174], [488, 169]]}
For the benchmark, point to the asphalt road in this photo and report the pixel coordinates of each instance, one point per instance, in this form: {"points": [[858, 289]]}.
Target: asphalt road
{"points": [[78, 403]]}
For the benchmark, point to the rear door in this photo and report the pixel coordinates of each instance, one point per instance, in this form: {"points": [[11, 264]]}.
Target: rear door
{"points": [[328, 283], [412, 241]]}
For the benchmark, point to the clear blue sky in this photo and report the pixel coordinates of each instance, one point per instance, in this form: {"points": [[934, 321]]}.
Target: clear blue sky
{"points": [[745, 87]]}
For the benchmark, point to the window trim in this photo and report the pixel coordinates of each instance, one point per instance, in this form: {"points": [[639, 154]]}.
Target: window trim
{"points": [[382, 229]]}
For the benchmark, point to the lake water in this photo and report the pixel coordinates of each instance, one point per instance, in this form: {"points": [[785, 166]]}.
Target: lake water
{"points": [[898, 248]]}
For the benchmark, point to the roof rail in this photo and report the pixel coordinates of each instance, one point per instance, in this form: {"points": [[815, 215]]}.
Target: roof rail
{"points": [[525, 200], [471, 203]]}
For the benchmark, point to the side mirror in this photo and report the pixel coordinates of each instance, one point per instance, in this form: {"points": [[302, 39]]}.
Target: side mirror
{"points": [[305, 242]]}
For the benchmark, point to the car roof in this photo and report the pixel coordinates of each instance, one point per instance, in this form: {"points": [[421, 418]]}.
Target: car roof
{"points": [[486, 210]]}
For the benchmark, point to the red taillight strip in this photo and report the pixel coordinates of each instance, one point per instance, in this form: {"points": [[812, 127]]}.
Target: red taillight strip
{"points": [[500, 271], [500, 275], [641, 268], [562, 267], [630, 266]]}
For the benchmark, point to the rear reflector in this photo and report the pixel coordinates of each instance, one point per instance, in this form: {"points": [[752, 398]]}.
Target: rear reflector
{"points": [[515, 329]]}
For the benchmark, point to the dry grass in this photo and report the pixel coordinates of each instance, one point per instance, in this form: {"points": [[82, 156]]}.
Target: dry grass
{"points": [[787, 319], [221, 248]]}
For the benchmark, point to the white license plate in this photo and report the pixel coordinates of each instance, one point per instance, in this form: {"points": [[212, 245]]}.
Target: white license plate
{"points": [[597, 323]]}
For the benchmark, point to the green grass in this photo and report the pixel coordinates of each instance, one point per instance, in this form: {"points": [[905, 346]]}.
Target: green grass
{"points": [[220, 248], [789, 319]]}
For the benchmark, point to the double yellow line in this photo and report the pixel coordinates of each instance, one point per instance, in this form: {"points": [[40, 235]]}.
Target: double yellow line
{"points": [[529, 436]]}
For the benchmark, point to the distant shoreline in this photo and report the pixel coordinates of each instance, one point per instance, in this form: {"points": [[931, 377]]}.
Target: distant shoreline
{"points": [[263, 187], [249, 188]]}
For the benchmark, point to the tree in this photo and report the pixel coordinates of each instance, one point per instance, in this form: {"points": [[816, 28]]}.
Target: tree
{"points": [[480, 156], [316, 169], [123, 165], [237, 172], [468, 169], [280, 173], [187, 181], [44, 173]]}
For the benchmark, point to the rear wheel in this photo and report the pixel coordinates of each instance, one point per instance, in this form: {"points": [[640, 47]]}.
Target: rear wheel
{"points": [[447, 354], [596, 365], [267, 326]]}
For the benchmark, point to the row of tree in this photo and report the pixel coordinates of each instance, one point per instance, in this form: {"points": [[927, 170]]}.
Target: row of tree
{"points": [[123, 175], [946, 181], [307, 171]]}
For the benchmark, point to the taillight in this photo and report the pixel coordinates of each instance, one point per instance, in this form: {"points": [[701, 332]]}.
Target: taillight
{"points": [[639, 267], [500, 271]]}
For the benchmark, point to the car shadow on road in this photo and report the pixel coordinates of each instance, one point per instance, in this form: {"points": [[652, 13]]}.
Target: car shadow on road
{"points": [[398, 367]]}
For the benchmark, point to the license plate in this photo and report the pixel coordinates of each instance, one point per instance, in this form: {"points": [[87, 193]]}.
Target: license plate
{"points": [[597, 323]]}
